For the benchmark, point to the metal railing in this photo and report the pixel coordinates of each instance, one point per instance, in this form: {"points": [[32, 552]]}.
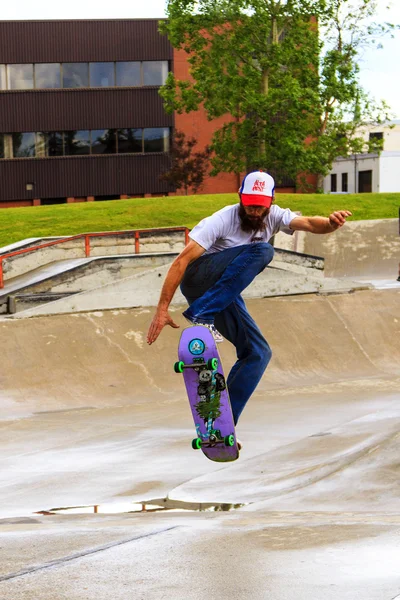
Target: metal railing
{"points": [[135, 233]]}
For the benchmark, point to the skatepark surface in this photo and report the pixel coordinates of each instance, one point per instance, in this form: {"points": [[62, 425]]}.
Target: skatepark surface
{"points": [[94, 417]]}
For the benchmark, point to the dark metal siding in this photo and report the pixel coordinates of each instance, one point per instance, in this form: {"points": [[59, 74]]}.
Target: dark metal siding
{"points": [[82, 176], [80, 41], [54, 110]]}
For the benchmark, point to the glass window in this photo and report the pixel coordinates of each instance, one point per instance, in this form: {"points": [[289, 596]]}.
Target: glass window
{"points": [[334, 182], [48, 76], [20, 77], [155, 72], [23, 144], [2, 154], [75, 75], [49, 143], [128, 74], [76, 142], [376, 135], [104, 141], [156, 139], [3, 80], [102, 74], [130, 140], [345, 182]]}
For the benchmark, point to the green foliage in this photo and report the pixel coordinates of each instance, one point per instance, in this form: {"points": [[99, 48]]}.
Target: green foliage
{"points": [[188, 168], [290, 87]]}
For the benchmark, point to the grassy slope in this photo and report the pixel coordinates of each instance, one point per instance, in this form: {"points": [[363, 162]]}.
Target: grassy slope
{"points": [[67, 219]]}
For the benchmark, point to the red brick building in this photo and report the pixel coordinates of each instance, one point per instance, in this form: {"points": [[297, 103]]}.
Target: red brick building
{"points": [[81, 118]]}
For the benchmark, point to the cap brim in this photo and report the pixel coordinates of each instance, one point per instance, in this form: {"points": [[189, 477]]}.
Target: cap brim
{"points": [[256, 200]]}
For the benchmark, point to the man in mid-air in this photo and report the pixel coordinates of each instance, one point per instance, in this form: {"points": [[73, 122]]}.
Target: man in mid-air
{"points": [[226, 252]]}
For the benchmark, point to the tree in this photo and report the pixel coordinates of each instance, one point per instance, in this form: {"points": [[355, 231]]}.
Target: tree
{"points": [[292, 93], [188, 168]]}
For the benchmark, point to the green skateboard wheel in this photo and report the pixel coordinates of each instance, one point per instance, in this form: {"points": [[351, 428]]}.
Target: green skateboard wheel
{"points": [[196, 444], [178, 366], [212, 364], [229, 440]]}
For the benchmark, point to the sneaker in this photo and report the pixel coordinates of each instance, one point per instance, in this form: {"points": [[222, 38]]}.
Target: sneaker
{"points": [[211, 327]]}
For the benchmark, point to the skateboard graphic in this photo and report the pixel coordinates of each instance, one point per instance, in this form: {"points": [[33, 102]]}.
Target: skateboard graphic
{"points": [[208, 395]]}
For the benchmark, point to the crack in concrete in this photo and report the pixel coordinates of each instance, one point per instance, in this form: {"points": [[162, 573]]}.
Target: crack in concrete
{"points": [[76, 556]]}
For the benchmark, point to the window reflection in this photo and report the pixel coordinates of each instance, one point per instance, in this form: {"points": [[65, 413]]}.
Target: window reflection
{"points": [[155, 72], [156, 139], [130, 140], [48, 76], [102, 74], [49, 143], [104, 141], [20, 77], [75, 75], [24, 145], [3, 81], [128, 74], [76, 143]]}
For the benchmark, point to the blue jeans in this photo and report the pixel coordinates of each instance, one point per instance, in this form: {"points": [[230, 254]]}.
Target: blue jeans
{"points": [[212, 285]]}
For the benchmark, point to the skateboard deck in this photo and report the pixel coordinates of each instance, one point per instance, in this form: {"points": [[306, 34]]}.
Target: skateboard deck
{"points": [[204, 378]]}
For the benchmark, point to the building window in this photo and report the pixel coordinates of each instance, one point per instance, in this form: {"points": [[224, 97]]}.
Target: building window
{"points": [[3, 80], [24, 145], [334, 183], [50, 143], [365, 182], [155, 72], [104, 141], [156, 139], [75, 75], [345, 182], [376, 135], [48, 76], [130, 140], [102, 74], [20, 77], [128, 74], [76, 143]]}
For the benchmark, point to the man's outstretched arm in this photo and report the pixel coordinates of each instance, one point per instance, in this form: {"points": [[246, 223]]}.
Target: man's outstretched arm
{"points": [[321, 224], [174, 276]]}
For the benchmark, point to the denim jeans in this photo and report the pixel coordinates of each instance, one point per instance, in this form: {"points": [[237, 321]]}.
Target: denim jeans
{"points": [[212, 286]]}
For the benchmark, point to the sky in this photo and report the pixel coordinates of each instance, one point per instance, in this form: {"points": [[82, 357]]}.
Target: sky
{"points": [[380, 69]]}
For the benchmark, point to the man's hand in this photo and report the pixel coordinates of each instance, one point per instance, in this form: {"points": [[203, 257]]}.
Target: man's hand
{"points": [[338, 218], [160, 320]]}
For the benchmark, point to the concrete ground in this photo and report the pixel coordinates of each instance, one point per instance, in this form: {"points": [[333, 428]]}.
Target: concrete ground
{"points": [[92, 416]]}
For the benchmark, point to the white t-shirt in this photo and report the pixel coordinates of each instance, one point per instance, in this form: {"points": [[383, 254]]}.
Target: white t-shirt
{"points": [[223, 230]]}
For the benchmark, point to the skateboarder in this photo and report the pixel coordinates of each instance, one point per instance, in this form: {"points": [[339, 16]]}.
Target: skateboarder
{"points": [[226, 252]]}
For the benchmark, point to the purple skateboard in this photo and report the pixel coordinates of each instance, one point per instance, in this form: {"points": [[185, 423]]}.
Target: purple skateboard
{"points": [[208, 395]]}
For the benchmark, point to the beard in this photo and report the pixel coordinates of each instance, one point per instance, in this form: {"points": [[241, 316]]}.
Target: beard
{"points": [[252, 224]]}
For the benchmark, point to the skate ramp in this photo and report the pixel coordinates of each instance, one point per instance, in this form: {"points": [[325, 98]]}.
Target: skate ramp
{"points": [[92, 414]]}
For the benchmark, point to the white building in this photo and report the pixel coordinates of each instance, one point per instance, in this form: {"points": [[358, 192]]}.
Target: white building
{"points": [[358, 173]]}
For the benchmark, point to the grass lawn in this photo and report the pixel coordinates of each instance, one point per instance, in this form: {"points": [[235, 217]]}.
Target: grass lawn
{"points": [[139, 213]]}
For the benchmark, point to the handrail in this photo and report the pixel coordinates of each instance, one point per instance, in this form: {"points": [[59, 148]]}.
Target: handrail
{"points": [[86, 236]]}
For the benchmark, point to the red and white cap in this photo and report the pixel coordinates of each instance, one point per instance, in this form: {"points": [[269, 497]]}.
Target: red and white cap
{"points": [[257, 189]]}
